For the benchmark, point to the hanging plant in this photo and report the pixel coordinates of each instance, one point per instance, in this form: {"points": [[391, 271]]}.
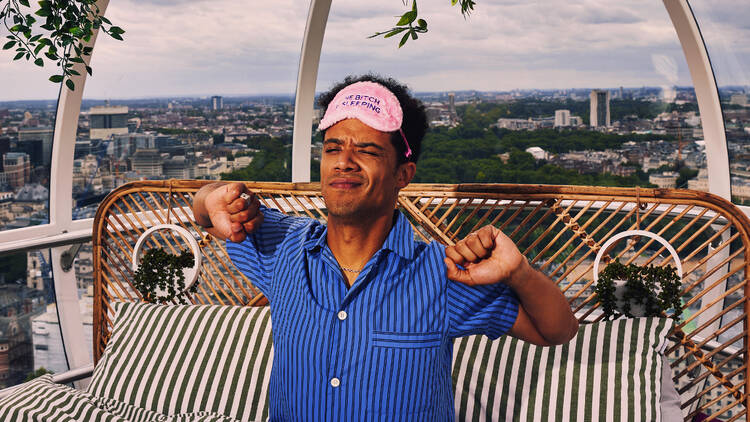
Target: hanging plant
{"points": [[650, 289], [160, 277], [56, 31], [409, 26]]}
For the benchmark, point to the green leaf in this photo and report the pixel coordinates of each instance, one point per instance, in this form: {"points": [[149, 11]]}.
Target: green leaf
{"points": [[18, 56], [38, 48], [16, 28], [43, 12], [414, 6], [56, 78], [116, 30], [51, 56], [116, 36], [414, 35], [88, 70], [403, 40], [24, 2], [73, 72], [39, 62], [8, 45], [395, 31], [35, 38], [75, 30], [76, 60], [71, 86], [407, 18], [422, 23], [453, 2]]}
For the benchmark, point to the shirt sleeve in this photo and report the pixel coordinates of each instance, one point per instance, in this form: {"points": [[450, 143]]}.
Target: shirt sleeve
{"points": [[484, 309], [256, 255]]}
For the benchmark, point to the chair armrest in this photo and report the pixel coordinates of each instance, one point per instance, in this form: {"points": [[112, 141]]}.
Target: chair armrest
{"points": [[61, 378]]}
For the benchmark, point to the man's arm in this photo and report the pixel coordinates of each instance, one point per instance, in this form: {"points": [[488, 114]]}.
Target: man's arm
{"points": [[224, 213], [489, 256]]}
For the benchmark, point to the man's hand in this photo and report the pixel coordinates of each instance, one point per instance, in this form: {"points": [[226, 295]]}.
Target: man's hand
{"points": [[231, 210], [488, 256]]}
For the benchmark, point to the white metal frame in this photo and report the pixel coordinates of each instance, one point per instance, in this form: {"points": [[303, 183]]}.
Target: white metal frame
{"points": [[707, 93], [307, 75]]}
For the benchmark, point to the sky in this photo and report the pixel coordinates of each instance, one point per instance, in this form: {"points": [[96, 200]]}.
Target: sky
{"points": [[231, 48]]}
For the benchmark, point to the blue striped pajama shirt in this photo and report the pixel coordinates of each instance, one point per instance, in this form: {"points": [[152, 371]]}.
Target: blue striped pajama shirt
{"points": [[380, 350]]}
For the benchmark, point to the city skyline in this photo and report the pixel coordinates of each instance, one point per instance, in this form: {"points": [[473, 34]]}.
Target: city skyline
{"points": [[208, 48]]}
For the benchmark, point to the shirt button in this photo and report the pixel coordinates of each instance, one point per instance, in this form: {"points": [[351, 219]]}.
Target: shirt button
{"points": [[342, 315], [335, 382]]}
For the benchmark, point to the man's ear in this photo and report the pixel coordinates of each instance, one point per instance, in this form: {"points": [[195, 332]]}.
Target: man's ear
{"points": [[405, 173]]}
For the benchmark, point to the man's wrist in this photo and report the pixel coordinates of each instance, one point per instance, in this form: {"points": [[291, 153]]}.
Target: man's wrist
{"points": [[520, 276]]}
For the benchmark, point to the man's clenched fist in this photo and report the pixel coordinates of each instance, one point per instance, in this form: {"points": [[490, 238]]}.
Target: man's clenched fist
{"points": [[227, 211]]}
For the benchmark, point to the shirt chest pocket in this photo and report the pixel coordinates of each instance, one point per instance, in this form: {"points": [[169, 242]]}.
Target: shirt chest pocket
{"points": [[404, 372]]}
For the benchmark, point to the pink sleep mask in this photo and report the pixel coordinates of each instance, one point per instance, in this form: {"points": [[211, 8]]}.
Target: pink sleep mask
{"points": [[370, 103]]}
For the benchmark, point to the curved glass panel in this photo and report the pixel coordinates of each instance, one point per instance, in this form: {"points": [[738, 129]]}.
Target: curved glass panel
{"points": [[509, 91], [197, 90], [28, 103], [726, 35], [30, 336], [725, 32]]}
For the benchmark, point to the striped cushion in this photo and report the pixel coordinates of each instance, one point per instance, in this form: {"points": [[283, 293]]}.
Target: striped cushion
{"points": [[611, 371], [183, 359], [43, 400]]}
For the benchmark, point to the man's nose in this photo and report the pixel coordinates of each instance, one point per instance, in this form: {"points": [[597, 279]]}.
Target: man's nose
{"points": [[345, 160]]}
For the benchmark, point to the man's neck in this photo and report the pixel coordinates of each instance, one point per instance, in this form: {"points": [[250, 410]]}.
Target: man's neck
{"points": [[354, 243]]}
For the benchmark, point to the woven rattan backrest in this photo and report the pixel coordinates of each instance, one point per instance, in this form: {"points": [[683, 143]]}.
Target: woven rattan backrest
{"points": [[560, 229]]}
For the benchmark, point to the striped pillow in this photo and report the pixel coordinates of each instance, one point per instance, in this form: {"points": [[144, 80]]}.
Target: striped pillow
{"points": [[611, 371], [183, 359], [44, 400]]}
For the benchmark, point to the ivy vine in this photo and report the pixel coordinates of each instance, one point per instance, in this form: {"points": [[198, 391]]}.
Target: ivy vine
{"points": [[66, 26], [656, 288], [160, 270], [69, 24], [410, 25]]}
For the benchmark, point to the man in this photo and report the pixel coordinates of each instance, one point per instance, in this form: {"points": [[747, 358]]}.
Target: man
{"points": [[363, 315]]}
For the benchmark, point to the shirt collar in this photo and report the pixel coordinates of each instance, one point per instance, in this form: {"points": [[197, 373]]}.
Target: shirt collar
{"points": [[400, 240]]}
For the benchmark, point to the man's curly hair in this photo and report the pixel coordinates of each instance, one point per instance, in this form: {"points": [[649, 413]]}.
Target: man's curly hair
{"points": [[414, 123]]}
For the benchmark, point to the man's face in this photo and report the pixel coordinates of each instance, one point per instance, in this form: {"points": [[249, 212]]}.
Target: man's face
{"points": [[360, 177]]}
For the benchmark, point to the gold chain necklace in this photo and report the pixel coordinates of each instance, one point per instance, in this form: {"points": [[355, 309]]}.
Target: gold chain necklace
{"points": [[350, 270]]}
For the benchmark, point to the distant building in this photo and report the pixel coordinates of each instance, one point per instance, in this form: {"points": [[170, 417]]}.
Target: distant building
{"points": [[562, 118], [179, 167], [35, 193], [147, 162], [526, 124], [16, 169], [4, 148], [18, 305], [738, 99], [105, 121], [217, 102], [700, 182], [537, 153], [599, 108], [37, 142], [121, 147], [668, 179]]}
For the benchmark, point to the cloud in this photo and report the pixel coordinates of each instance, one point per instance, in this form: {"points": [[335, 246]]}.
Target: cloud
{"points": [[207, 47]]}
